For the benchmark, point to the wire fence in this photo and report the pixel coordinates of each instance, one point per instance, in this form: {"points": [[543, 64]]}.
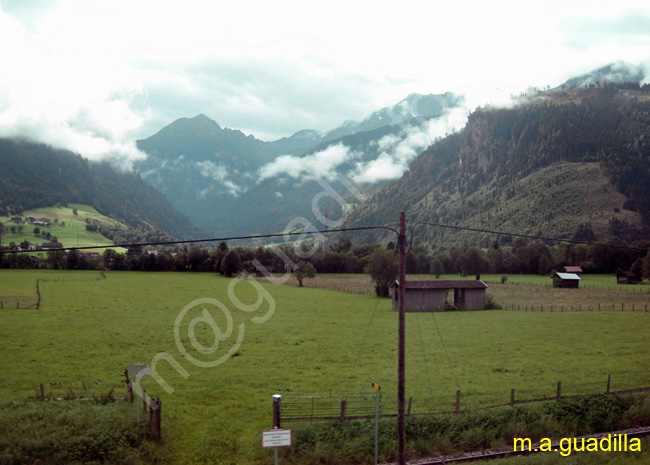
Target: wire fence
{"points": [[33, 301], [344, 408]]}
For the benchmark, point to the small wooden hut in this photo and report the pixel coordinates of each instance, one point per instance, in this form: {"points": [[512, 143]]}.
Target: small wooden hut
{"points": [[566, 280], [628, 277], [429, 296]]}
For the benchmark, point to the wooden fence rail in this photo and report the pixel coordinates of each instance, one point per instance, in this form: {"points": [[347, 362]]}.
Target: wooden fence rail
{"points": [[641, 307], [330, 408]]}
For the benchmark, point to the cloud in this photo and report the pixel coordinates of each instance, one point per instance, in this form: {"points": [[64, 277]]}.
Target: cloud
{"points": [[398, 150], [219, 173], [47, 97], [69, 80], [321, 164], [630, 26]]}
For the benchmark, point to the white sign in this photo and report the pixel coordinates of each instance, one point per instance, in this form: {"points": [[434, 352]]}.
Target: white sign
{"points": [[276, 438], [138, 369]]}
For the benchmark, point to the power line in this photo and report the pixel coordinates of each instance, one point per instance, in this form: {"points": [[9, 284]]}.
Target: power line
{"points": [[526, 236], [360, 228], [195, 241]]}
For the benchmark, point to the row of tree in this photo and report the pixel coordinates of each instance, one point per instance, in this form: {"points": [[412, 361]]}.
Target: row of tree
{"points": [[521, 257]]}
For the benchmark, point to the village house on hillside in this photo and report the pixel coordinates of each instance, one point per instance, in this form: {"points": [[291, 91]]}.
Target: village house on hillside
{"points": [[628, 277], [51, 245], [566, 280], [429, 296]]}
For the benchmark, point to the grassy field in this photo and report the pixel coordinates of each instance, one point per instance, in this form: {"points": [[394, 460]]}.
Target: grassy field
{"points": [[522, 292], [315, 342], [73, 234]]}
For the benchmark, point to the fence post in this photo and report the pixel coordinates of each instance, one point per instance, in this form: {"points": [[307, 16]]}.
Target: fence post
{"points": [[458, 401], [277, 417], [42, 392], [152, 413], [158, 432], [512, 397], [342, 411], [408, 412], [559, 390], [609, 382], [129, 386]]}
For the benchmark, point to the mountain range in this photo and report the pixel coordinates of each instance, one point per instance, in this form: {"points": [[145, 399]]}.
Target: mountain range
{"points": [[569, 162], [225, 181], [572, 164]]}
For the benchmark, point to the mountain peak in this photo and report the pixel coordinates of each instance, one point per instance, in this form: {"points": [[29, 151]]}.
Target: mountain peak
{"points": [[413, 106], [616, 73]]}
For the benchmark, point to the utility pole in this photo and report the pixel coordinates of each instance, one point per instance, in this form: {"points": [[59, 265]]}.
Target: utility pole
{"points": [[401, 290]]}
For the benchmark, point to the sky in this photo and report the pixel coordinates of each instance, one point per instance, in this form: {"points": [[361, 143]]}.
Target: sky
{"points": [[93, 76]]}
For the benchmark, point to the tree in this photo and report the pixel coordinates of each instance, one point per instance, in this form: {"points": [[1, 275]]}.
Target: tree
{"points": [[37, 231], [646, 266], [304, 270], [231, 264], [472, 262], [56, 259], [196, 257], [343, 244], [74, 212], [383, 268], [436, 268], [637, 267]]}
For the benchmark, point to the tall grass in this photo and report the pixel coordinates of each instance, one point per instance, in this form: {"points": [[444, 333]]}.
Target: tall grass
{"points": [[53, 433], [426, 436]]}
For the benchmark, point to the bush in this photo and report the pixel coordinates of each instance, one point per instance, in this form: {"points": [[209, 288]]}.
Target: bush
{"points": [[491, 303], [92, 431]]}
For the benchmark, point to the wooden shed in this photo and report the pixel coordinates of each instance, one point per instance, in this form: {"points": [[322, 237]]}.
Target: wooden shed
{"points": [[566, 280], [628, 277], [429, 296]]}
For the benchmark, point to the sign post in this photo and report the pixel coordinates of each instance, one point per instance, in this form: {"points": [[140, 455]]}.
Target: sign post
{"points": [[276, 438], [138, 370]]}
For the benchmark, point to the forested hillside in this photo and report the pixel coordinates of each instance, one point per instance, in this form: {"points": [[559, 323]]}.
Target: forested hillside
{"points": [[35, 175], [570, 163]]}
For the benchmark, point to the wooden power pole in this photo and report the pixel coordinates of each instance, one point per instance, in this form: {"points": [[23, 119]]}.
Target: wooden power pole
{"points": [[401, 290]]}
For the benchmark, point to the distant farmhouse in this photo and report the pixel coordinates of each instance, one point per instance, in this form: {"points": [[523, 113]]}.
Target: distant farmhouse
{"points": [[429, 296], [51, 245], [39, 221], [566, 280], [628, 277]]}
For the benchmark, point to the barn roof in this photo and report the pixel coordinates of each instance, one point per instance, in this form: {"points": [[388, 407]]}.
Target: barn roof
{"points": [[568, 276], [572, 269], [629, 274], [444, 284]]}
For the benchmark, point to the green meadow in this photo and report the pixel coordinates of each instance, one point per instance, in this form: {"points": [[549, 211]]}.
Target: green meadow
{"points": [[73, 234], [276, 339]]}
